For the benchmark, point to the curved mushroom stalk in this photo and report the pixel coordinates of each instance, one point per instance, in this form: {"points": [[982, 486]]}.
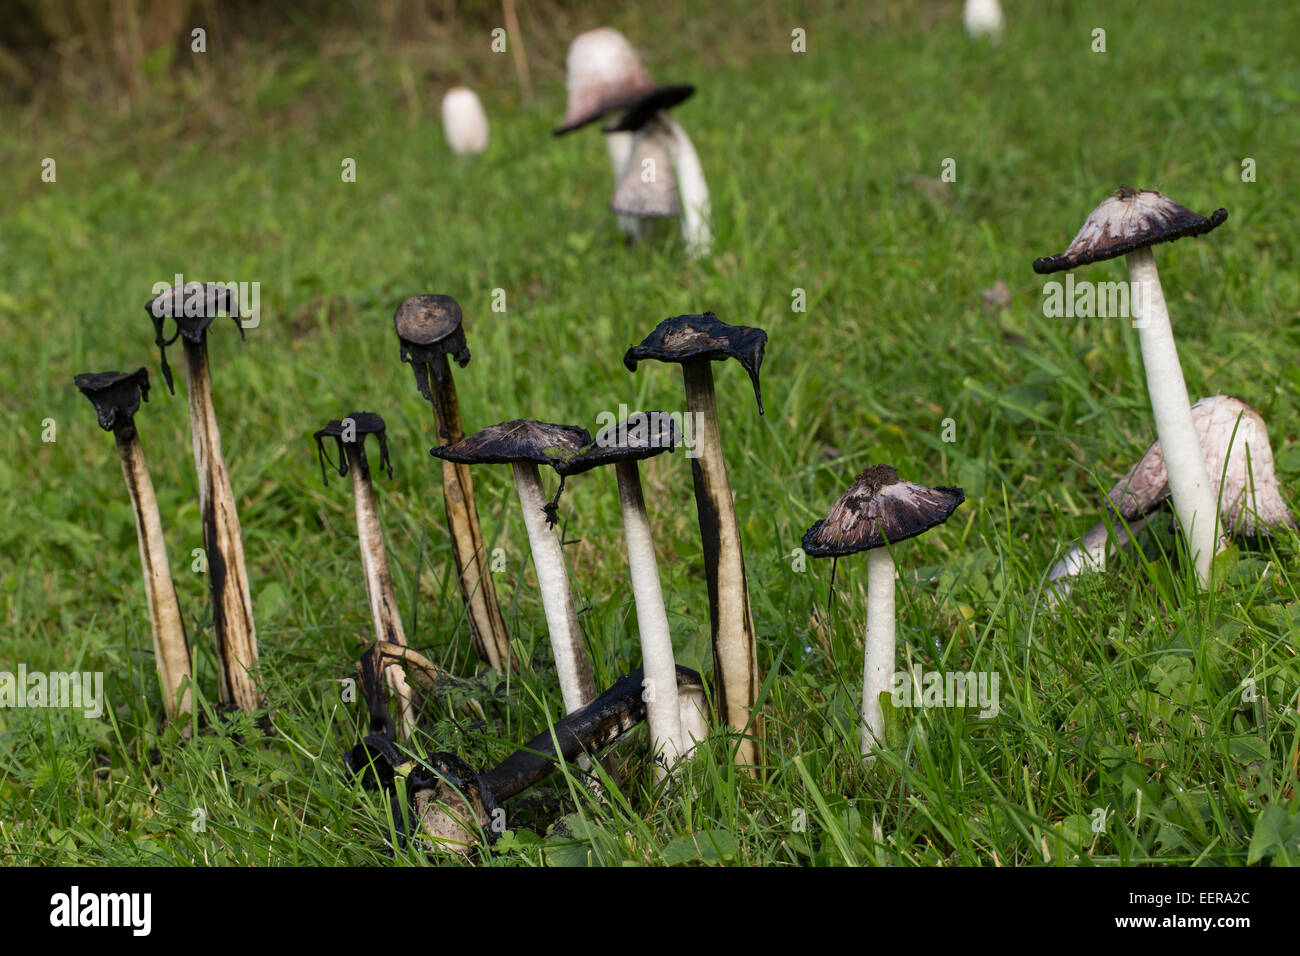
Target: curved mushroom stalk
{"points": [[116, 397], [692, 190], [1093, 551]]}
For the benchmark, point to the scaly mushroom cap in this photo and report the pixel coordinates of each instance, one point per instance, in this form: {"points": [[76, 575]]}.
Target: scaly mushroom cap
{"points": [[431, 324], [693, 338], [652, 198], [879, 509], [116, 397], [520, 440], [639, 436], [1129, 220], [464, 122], [605, 74], [194, 306], [1251, 501], [641, 112], [362, 424]]}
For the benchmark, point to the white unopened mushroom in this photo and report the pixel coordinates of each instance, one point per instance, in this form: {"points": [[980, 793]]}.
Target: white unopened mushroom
{"points": [[464, 122], [983, 18], [1239, 461], [1128, 224]]}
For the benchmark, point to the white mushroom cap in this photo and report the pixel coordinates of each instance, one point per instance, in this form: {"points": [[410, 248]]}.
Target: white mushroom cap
{"points": [[604, 74], [464, 122], [983, 18]]}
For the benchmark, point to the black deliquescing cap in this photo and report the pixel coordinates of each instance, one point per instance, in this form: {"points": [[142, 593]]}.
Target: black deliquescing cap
{"points": [[1129, 220], [879, 509], [660, 98], [691, 338], [116, 397], [194, 307], [362, 424], [639, 436]]}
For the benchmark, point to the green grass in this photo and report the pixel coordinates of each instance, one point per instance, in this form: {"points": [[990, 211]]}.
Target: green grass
{"points": [[1130, 702]]}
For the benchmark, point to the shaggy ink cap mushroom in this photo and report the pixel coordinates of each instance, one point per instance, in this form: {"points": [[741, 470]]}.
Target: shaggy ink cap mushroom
{"points": [[880, 509], [520, 440], [1130, 219], [116, 397], [694, 338], [603, 74], [193, 307], [363, 424]]}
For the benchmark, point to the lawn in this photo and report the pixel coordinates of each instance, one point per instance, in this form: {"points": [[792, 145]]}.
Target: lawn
{"points": [[1146, 722]]}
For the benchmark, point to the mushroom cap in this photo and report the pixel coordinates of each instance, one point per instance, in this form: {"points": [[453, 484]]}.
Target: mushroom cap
{"points": [[694, 338], [1251, 501], [604, 74], [194, 306], [1129, 220], [432, 323], [363, 424], [879, 509], [464, 121], [516, 441], [450, 802], [656, 198], [116, 397], [641, 435], [660, 98]]}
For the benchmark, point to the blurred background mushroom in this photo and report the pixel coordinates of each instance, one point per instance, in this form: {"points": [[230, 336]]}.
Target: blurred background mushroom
{"points": [[464, 122]]}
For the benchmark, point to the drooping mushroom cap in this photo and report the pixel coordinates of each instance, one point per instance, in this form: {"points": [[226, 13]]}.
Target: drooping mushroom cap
{"points": [[1129, 220], [652, 198], [604, 74], [641, 435], [116, 397], [464, 122], [520, 440], [641, 112], [703, 338], [430, 325], [1229, 430], [879, 509], [351, 432], [193, 306], [451, 803]]}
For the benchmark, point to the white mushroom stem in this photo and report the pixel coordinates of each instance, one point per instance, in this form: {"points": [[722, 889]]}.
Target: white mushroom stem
{"points": [[878, 666], [660, 669], [379, 583], [735, 652], [232, 607], [693, 711], [619, 146], [1189, 483], [571, 662], [171, 649], [692, 190]]}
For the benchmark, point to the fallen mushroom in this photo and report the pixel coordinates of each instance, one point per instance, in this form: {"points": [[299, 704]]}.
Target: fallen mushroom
{"points": [[350, 436], [876, 513], [1128, 224], [605, 74], [116, 397], [658, 133], [622, 445], [429, 328], [464, 122], [194, 307], [1239, 460], [524, 444], [454, 804], [695, 342]]}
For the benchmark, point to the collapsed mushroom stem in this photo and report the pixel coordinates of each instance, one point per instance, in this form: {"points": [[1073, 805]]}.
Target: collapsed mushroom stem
{"points": [[735, 653], [170, 644], [619, 147], [662, 706], [692, 190], [1189, 482], [878, 665], [1091, 553], [232, 607], [571, 662], [379, 581]]}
